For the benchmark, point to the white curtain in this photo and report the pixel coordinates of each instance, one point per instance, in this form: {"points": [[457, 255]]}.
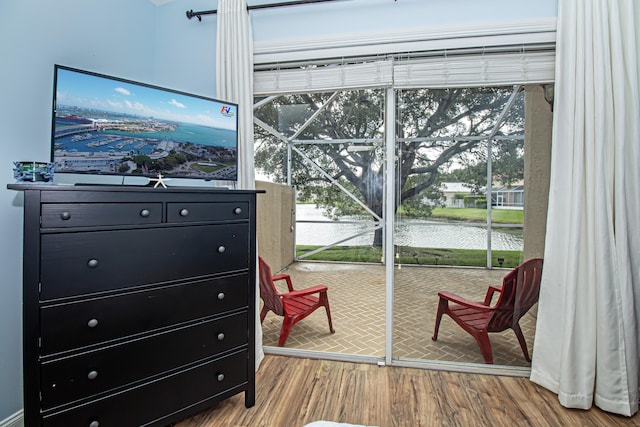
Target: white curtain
{"points": [[587, 337], [234, 83]]}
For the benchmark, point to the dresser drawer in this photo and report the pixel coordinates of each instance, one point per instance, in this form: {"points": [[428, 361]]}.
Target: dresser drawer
{"points": [[147, 404], [83, 323], [99, 214], [101, 261], [221, 211], [98, 371]]}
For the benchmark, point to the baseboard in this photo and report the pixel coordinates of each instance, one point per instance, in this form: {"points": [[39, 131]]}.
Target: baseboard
{"points": [[15, 420]]}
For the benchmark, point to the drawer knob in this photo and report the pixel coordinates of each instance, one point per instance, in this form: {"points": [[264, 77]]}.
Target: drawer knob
{"points": [[221, 249], [94, 423], [92, 375], [145, 213], [221, 296], [65, 215], [237, 211], [220, 336], [92, 323], [220, 377], [93, 263], [184, 212]]}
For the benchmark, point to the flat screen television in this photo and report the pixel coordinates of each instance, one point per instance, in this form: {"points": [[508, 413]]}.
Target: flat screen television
{"points": [[103, 125]]}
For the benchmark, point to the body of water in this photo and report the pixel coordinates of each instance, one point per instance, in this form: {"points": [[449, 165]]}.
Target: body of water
{"points": [[186, 132], [418, 233]]}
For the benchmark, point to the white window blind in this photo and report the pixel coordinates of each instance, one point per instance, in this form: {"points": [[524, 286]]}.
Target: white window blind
{"points": [[489, 55], [434, 72], [323, 78], [475, 70]]}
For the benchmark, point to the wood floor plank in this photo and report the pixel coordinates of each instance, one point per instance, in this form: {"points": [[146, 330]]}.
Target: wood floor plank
{"points": [[291, 392], [411, 401]]}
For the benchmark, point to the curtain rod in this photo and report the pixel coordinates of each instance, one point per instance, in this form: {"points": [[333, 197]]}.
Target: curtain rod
{"points": [[191, 13]]}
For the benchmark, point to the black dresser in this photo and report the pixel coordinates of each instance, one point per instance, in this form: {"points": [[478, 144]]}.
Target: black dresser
{"points": [[139, 303]]}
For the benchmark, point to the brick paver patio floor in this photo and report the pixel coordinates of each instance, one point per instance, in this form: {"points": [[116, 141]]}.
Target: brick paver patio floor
{"points": [[357, 298]]}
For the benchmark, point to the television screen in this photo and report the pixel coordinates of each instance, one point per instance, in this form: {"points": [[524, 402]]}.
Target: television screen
{"points": [[112, 126]]}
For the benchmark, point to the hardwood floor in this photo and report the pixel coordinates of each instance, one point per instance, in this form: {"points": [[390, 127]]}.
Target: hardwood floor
{"points": [[291, 392]]}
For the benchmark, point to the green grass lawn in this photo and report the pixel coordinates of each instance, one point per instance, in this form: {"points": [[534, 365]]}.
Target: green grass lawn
{"points": [[410, 255], [500, 216]]}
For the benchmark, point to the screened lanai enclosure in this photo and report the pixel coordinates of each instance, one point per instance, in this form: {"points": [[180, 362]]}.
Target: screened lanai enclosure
{"points": [[331, 147], [403, 190]]}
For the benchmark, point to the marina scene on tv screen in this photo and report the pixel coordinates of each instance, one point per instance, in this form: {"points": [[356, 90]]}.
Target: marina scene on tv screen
{"points": [[105, 125]]}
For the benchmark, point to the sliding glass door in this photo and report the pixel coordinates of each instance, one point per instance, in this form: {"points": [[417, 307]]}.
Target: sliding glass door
{"points": [[453, 231], [329, 146], [401, 194]]}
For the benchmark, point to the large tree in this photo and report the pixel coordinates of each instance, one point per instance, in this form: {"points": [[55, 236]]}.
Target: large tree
{"points": [[434, 131]]}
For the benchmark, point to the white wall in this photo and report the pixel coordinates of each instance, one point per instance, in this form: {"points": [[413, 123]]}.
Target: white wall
{"points": [[370, 16], [138, 41], [186, 48], [114, 37]]}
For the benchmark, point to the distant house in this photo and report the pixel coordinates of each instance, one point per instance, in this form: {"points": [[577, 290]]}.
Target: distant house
{"points": [[449, 191], [508, 197]]}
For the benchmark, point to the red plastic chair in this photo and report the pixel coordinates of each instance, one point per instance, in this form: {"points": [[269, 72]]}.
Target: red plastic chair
{"points": [[519, 292], [293, 305]]}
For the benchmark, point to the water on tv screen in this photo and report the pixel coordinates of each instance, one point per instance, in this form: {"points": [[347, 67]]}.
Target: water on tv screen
{"points": [[112, 126]]}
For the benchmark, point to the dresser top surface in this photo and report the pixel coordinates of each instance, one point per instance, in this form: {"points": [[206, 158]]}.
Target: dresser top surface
{"points": [[126, 188]]}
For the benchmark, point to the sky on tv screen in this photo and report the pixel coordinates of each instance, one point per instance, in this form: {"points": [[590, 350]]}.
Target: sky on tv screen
{"points": [[101, 93]]}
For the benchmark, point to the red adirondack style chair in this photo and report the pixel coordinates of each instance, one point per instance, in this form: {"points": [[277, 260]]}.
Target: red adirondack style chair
{"points": [[519, 292], [293, 305]]}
